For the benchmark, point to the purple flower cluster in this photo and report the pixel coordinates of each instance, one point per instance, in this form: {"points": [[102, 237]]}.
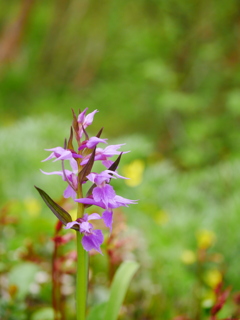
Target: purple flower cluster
{"points": [[101, 193]]}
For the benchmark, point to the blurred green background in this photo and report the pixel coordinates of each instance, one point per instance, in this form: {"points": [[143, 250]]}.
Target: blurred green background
{"points": [[165, 77]]}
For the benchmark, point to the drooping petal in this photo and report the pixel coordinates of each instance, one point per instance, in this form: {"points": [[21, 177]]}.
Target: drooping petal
{"points": [[69, 193], [74, 165], [93, 241], [108, 218]]}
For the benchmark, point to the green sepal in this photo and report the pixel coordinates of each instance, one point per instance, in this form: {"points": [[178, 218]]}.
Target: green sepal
{"points": [[98, 135], [59, 212], [115, 164], [70, 140], [75, 126]]}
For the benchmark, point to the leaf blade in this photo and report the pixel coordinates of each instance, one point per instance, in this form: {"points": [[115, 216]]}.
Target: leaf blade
{"points": [[58, 211], [119, 287]]}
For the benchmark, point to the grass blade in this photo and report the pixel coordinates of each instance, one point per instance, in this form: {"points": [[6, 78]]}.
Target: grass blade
{"points": [[119, 287]]}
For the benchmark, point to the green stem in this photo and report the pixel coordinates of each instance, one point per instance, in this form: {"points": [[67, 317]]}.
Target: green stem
{"points": [[82, 271]]}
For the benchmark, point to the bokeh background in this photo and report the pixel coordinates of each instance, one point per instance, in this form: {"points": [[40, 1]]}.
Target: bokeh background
{"points": [[165, 77]]}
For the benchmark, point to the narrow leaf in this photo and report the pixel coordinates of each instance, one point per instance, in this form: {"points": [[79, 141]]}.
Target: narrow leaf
{"points": [[87, 168], [119, 287], [97, 312], [59, 212]]}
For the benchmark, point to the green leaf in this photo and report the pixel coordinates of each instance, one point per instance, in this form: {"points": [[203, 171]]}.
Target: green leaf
{"points": [[119, 287], [97, 312], [59, 212], [43, 314]]}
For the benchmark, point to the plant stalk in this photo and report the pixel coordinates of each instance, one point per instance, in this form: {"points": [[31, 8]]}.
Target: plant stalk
{"points": [[82, 270]]}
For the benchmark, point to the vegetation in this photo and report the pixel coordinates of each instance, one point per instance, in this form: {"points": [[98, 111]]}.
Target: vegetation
{"points": [[165, 76]]}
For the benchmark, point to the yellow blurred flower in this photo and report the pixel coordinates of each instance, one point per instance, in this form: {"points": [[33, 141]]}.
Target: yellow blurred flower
{"points": [[213, 277], [205, 239], [208, 299], [161, 217], [188, 257], [33, 207], [134, 171]]}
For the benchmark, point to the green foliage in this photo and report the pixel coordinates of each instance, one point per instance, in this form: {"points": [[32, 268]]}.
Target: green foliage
{"points": [[12, 311], [110, 310], [119, 288], [168, 69], [58, 211], [165, 76], [43, 314]]}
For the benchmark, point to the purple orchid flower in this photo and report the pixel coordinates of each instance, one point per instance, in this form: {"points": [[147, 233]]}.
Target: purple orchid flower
{"points": [[106, 198], [104, 154], [102, 193], [92, 239], [91, 143], [85, 121], [70, 191], [63, 154]]}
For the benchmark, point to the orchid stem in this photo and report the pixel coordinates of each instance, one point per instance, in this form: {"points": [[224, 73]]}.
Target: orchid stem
{"points": [[82, 270]]}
